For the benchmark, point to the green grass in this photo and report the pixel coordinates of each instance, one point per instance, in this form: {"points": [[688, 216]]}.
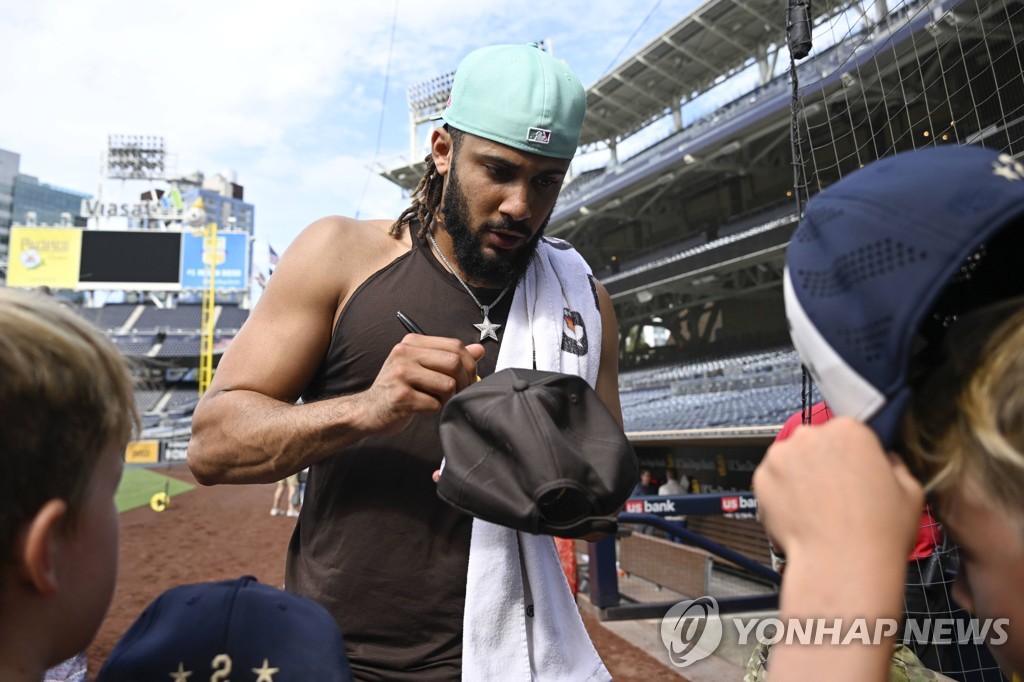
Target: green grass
{"points": [[139, 485]]}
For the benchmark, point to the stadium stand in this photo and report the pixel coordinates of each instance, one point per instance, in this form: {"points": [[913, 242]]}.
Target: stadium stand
{"points": [[175, 346], [134, 345], [148, 398], [231, 318], [777, 360], [684, 257], [182, 319], [110, 317], [163, 344], [754, 389], [181, 397], [764, 406]]}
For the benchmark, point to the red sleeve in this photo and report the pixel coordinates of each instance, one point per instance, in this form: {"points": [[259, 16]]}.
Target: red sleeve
{"points": [[928, 534], [789, 427], [819, 415]]}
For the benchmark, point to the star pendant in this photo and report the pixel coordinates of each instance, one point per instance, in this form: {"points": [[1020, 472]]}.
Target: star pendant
{"points": [[487, 329]]}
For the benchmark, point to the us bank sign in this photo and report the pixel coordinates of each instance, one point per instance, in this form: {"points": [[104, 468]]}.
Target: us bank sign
{"points": [[152, 210]]}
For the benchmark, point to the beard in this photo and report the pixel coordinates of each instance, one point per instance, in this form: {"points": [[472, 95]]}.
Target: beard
{"points": [[500, 270]]}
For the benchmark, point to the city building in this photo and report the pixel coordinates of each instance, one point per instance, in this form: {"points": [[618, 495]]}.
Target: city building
{"points": [[9, 162], [223, 199], [37, 203]]}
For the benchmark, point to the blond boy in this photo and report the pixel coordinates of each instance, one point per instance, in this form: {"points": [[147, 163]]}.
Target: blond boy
{"points": [[66, 412]]}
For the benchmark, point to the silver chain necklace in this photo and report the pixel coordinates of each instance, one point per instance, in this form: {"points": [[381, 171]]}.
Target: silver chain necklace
{"points": [[487, 328]]}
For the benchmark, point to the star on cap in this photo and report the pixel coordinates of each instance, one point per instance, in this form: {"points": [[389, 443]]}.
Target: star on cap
{"points": [[181, 675], [266, 673], [487, 329], [1008, 171]]}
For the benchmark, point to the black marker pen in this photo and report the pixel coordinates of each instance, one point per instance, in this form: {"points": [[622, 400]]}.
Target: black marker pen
{"points": [[409, 324], [415, 328]]}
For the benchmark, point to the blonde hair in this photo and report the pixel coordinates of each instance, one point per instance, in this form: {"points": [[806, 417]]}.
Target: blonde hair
{"points": [[968, 417], [66, 396]]}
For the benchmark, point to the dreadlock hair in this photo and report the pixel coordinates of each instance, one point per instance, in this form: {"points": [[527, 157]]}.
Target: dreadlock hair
{"points": [[426, 198]]}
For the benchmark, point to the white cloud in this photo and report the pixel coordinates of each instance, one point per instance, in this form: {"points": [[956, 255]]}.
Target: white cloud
{"points": [[286, 94]]}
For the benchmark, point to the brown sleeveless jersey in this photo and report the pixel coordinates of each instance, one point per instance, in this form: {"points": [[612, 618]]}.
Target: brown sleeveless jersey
{"points": [[374, 543]]}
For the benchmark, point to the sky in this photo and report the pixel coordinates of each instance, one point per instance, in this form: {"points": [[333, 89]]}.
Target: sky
{"points": [[290, 97]]}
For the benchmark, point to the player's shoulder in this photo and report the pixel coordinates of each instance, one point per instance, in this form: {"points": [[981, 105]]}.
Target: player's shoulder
{"points": [[340, 238], [339, 253], [338, 229]]}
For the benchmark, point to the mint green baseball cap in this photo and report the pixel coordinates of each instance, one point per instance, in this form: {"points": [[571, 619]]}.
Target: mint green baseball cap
{"points": [[520, 96]]}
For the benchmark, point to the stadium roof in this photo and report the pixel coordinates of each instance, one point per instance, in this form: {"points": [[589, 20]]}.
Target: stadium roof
{"points": [[717, 40]]}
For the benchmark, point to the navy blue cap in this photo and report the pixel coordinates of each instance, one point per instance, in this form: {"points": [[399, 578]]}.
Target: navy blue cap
{"points": [[889, 257], [241, 628]]}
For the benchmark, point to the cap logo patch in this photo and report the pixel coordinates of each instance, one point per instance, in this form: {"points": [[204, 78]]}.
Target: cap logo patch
{"points": [[574, 333], [538, 135]]}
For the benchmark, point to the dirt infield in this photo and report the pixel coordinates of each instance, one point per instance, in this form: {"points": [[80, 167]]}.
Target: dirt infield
{"points": [[226, 531]]}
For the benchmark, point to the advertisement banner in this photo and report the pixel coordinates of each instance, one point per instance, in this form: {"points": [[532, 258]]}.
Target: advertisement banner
{"points": [[231, 261], [142, 452], [44, 256], [713, 469]]}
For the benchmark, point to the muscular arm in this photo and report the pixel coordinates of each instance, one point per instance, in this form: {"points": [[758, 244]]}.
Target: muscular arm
{"points": [[608, 375], [247, 429]]}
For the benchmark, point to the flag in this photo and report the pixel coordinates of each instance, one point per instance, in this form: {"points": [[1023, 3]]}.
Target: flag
{"points": [[175, 197], [261, 280], [274, 258]]}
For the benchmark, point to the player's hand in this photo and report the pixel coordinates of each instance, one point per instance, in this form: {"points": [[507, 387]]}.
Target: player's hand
{"points": [[844, 512], [419, 376], [831, 490]]}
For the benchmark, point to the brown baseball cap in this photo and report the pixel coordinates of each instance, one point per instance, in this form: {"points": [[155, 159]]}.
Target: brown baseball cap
{"points": [[536, 451]]}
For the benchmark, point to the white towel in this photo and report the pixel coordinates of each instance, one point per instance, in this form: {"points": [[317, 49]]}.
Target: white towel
{"points": [[521, 621]]}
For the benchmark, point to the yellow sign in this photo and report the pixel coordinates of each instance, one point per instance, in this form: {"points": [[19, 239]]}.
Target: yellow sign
{"points": [[142, 452], [44, 256], [159, 502]]}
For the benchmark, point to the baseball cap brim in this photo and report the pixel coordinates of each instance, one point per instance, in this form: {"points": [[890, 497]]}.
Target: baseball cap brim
{"points": [[880, 252]]}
